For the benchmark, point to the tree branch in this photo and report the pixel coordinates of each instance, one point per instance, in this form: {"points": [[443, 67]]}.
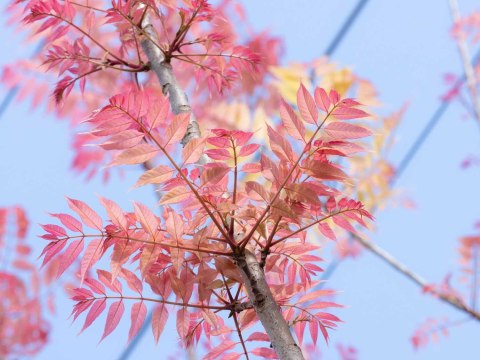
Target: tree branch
{"points": [[267, 308], [403, 269], [257, 287], [163, 69]]}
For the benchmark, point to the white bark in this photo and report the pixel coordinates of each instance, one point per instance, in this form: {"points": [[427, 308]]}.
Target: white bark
{"points": [[163, 69]]}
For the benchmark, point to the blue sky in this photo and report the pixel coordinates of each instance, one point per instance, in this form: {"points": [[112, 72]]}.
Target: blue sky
{"points": [[405, 49]]}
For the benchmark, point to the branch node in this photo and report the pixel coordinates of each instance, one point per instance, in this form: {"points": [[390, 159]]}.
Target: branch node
{"points": [[165, 89]]}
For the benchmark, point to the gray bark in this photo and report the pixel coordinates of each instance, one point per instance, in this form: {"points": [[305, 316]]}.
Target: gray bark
{"points": [[267, 308], [163, 69]]}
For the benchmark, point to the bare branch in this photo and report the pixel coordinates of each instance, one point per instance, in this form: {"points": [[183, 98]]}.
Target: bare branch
{"points": [[417, 279]]}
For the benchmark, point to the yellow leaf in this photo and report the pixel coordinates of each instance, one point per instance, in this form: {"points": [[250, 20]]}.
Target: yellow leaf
{"points": [[289, 79]]}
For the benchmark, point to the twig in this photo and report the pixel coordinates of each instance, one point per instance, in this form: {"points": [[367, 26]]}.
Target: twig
{"points": [[417, 279], [255, 282]]}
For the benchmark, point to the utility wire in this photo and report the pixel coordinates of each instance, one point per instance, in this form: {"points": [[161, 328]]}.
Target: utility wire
{"points": [[133, 344], [427, 130], [347, 24]]}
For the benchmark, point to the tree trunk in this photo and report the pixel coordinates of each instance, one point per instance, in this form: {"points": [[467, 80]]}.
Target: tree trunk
{"points": [[258, 290], [267, 308]]}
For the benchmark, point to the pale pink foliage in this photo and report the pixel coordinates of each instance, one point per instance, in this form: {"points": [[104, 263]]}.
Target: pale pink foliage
{"points": [[185, 256], [81, 42], [23, 327], [261, 199]]}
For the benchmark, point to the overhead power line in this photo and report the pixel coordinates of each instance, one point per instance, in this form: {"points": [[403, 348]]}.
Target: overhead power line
{"points": [[427, 130], [347, 24]]}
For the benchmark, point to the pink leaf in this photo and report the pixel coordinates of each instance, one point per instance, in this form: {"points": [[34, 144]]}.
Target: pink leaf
{"points": [[248, 149], [88, 216], [241, 137], [149, 255], [218, 154], [136, 155], [175, 228], [334, 97], [159, 319], [279, 145], [331, 204], [214, 172], [146, 217], [177, 129], [314, 295], [51, 250], [107, 279], [54, 230], [220, 142], [326, 230], [322, 99], [90, 257], [124, 140], [258, 336], [313, 327], [219, 350], [251, 168], [323, 305], [259, 189], [114, 316], [70, 255], [183, 322], [306, 106], [95, 311], [175, 195], [132, 281], [293, 125], [323, 329], [299, 329], [95, 285], [348, 113], [69, 222], [341, 130], [193, 150], [343, 223], [120, 256], [79, 308], [264, 352], [157, 175], [326, 316], [137, 317], [325, 171], [115, 213]]}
